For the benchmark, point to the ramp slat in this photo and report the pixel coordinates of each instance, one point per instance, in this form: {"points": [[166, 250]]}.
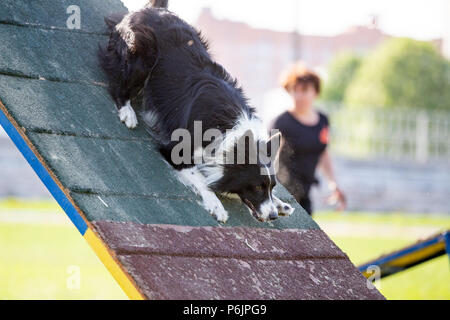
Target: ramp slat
{"points": [[50, 54], [53, 13], [65, 108]]}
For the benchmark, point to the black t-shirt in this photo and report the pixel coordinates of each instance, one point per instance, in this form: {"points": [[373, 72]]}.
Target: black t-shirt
{"points": [[302, 146]]}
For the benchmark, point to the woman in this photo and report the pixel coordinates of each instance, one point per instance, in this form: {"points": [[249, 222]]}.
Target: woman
{"points": [[304, 140]]}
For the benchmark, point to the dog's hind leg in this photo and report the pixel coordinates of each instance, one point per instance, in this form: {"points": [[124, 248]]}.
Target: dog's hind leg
{"points": [[114, 59], [193, 178], [128, 60]]}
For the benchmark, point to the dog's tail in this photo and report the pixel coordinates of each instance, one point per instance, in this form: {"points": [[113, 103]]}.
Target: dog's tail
{"points": [[160, 3], [130, 42]]}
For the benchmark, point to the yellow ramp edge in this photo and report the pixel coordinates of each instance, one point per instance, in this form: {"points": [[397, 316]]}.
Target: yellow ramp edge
{"points": [[113, 267]]}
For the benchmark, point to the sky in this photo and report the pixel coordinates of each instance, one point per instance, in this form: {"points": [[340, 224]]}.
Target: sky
{"points": [[419, 19]]}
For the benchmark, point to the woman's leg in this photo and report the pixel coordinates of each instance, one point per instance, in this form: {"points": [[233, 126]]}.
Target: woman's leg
{"points": [[305, 202], [304, 199]]}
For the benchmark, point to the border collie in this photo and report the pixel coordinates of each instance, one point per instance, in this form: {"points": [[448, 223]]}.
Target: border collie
{"points": [[155, 55]]}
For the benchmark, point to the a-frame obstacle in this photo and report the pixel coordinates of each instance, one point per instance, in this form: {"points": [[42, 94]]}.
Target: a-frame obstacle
{"points": [[145, 226]]}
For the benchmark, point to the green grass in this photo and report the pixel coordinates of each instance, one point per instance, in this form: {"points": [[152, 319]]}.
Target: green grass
{"points": [[36, 257], [39, 261]]}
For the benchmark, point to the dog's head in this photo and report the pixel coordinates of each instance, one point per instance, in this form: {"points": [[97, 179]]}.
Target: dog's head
{"points": [[249, 173]]}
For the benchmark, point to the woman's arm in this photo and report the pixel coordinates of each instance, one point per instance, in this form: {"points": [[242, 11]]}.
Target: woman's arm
{"points": [[326, 166]]}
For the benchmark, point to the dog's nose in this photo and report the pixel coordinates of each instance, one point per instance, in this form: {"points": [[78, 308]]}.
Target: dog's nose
{"points": [[273, 215]]}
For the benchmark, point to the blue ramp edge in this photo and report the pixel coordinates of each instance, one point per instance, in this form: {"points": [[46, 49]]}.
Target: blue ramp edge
{"points": [[43, 174]]}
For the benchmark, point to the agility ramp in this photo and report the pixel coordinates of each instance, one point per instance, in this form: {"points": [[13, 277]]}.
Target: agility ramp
{"points": [[145, 226]]}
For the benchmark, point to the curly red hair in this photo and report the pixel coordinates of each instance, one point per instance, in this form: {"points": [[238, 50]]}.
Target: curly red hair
{"points": [[298, 73]]}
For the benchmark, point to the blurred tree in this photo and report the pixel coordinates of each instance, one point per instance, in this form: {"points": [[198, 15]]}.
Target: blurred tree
{"points": [[341, 72], [402, 73]]}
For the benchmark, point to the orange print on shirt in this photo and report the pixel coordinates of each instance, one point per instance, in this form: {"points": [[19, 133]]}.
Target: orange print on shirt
{"points": [[324, 135]]}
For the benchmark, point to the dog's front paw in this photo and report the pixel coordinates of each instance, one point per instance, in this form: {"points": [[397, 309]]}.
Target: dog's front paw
{"points": [[216, 209], [128, 116], [284, 209], [220, 214]]}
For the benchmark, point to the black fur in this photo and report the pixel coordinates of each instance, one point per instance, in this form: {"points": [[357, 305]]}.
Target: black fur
{"points": [[156, 54], [183, 82]]}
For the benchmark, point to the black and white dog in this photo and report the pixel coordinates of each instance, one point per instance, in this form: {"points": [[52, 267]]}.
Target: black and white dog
{"points": [[154, 54]]}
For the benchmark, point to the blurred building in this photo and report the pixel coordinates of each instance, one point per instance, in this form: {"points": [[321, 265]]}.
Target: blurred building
{"points": [[257, 57]]}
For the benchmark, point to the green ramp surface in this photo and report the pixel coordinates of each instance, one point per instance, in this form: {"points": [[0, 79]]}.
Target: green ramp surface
{"points": [[147, 227]]}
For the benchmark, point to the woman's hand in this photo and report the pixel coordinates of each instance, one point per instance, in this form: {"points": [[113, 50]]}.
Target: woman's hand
{"points": [[338, 199]]}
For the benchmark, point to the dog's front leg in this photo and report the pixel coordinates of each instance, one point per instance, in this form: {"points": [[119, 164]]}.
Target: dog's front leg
{"points": [[193, 178], [284, 209]]}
